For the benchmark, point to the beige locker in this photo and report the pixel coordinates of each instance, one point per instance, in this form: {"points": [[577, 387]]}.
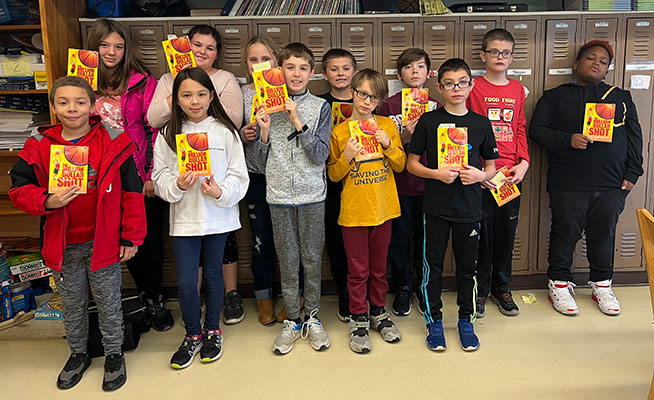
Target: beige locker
{"points": [[358, 39], [596, 28], [147, 38], [439, 41], [279, 31], [318, 35], [561, 38], [471, 37], [396, 37], [182, 28], [234, 37]]}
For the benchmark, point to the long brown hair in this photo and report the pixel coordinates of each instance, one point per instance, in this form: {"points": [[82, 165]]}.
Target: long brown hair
{"points": [[177, 117], [204, 29], [270, 44], [119, 79]]}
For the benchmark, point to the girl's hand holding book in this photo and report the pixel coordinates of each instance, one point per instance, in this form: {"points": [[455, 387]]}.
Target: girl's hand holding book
{"points": [[210, 188], [62, 198], [250, 132], [263, 120], [186, 181], [382, 138], [352, 148]]}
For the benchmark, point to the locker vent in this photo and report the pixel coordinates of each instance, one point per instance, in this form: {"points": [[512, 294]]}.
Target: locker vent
{"points": [[628, 244], [561, 45], [398, 41], [231, 51], [640, 41], [356, 44], [602, 34], [318, 43], [521, 50], [438, 45], [517, 249], [475, 47], [148, 46]]}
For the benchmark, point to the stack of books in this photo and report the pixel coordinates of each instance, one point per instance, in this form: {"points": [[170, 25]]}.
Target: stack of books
{"points": [[17, 126], [291, 7]]}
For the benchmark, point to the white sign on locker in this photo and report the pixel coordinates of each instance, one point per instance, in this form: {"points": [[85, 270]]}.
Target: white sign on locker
{"points": [[232, 30], [520, 26], [482, 27], [642, 23], [640, 82], [390, 71], [560, 71], [356, 29], [146, 31], [398, 28], [438, 27], [520, 72], [273, 29], [601, 24], [561, 25], [315, 29]]}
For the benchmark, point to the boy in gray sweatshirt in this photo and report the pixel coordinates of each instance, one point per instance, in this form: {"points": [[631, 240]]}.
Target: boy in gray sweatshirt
{"points": [[293, 146]]}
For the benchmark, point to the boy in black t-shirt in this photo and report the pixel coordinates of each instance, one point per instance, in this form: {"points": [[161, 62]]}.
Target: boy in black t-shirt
{"points": [[452, 201]]}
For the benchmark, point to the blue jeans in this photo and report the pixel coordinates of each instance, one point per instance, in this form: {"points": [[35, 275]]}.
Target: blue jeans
{"points": [[190, 253], [263, 245]]}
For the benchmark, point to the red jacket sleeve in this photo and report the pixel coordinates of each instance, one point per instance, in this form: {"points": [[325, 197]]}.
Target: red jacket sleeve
{"points": [[26, 193], [132, 225], [521, 134]]}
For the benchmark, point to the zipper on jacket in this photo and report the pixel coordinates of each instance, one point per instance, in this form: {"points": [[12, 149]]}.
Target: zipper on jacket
{"points": [[112, 163]]}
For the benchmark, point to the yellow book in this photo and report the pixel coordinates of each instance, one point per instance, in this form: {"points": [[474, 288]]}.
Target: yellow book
{"points": [[84, 63], [178, 54], [69, 166], [452, 147], [340, 112], [363, 131], [415, 102], [503, 192], [598, 121], [193, 153], [256, 102], [271, 88]]}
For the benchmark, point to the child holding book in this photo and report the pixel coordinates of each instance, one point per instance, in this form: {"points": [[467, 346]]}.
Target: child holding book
{"points": [[452, 200], [502, 100], [258, 49], [206, 45], [125, 90], [413, 67], [587, 180], [86, 236], [339, 66], [294, 146], [367, 207], [203, 210]]}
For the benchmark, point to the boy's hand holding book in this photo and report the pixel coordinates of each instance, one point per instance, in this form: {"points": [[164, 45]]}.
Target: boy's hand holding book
{"points": [[407, 132], [470, 175], [61, 199], [383, 139], [291, 109], [210, 188], [579, 141], [446, 175], [186, 181], [127, 252], [352, 148]]}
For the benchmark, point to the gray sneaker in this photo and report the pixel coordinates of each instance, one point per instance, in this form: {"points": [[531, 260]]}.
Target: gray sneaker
{"points": [[317, 335], [383, 324], [115, 374], [289, 334], [73, 371], [359, 334]]}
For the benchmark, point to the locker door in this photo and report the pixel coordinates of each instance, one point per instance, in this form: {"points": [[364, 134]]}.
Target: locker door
{"points": [[234, 38], [357, 38], [85, 27], [397, 36], [280, 32], [319, 37], [147, 38], [182, 28], [472, 35], [561, 38], [438, 38], [604, 29]]}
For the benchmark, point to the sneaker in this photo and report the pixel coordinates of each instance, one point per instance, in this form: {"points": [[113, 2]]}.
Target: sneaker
{"points": [[383, 324], [312, 327], [359, 334], [115, 374], [233, 313], [421, 304], [162, 318], [469, 341], [73, 371], [603, 295], [435, 337], [402, 302], [212, 345], [289, 334], [343, 313], [561, 297], [480, 303], [506, 304], [184, 355]]}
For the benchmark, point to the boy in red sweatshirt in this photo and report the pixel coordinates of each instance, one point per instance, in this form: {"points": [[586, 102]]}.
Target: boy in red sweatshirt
{"points": [[110, 214]]}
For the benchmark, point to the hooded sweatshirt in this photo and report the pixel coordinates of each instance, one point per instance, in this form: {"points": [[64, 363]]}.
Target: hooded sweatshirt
{"points": [[601, 166]]}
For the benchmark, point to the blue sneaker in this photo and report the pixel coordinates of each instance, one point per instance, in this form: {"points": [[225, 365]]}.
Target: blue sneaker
{"points": [[435, 337], [469, 341]]}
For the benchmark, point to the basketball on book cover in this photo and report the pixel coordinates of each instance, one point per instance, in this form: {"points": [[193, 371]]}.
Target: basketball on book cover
{"points": [[408, 6]]}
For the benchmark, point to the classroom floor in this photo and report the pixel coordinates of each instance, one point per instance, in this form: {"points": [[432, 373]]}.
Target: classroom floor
{"points": [[539, 354]]}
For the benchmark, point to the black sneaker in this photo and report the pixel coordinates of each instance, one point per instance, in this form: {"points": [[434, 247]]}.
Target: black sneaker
{"points": [[233, 313], [212, 346], [73, 370], [184, 355], [481, 306], [506, 304], [162, 318], [343, 305], [115, 374], [402, 302]]}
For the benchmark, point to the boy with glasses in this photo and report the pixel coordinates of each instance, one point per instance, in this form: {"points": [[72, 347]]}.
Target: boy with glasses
{"points": [[502, 100], [452, 201]]}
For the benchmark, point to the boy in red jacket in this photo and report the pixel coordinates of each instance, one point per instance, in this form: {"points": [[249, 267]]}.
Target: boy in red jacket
{"points": [[111, 214]]}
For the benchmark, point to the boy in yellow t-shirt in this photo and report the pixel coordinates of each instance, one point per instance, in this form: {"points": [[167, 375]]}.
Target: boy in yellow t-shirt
{"points": [[368, 204]]}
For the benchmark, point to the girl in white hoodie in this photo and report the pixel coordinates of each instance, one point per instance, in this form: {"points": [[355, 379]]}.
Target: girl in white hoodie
{"points": [[203, 210]]}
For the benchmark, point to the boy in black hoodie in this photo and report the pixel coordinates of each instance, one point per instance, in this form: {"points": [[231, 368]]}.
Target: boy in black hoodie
{"points": [[587, 181]]}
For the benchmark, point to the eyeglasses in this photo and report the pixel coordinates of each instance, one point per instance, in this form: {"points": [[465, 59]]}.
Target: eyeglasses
{"points": [[496, 53], [363, 96], [452, 85]]}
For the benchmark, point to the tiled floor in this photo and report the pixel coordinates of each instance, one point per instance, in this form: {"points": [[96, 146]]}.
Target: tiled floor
{"points": [[539, 354]]}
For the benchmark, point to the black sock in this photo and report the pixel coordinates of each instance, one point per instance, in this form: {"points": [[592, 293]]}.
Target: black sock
{"points": [[297, 321], [375, 310]]}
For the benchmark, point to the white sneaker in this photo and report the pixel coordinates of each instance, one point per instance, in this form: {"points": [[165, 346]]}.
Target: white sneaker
{"points": [[561, 297], [603, 295], [317, 335], [289, 334]]}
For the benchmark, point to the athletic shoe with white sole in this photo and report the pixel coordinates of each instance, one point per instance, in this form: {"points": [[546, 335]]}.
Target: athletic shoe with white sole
{"points": [[605, 298], [312, 327], [561, 297], [383, 324], [359, 334], [289, 334], [183, 357]]}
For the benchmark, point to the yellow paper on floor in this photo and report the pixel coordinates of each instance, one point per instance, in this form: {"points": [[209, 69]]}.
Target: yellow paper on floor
{"points": [[530, 298]]}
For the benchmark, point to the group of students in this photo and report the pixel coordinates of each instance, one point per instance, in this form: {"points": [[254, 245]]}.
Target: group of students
{"points": [[304, 190]]}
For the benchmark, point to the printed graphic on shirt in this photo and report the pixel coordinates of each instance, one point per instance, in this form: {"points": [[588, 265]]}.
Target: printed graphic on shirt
{"points": [[109, 110], [502, 132], [494, 114], [507, 114], [370, 177]]}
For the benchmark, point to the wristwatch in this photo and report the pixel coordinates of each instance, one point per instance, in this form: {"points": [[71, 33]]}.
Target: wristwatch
{"points": [[301, 131]]}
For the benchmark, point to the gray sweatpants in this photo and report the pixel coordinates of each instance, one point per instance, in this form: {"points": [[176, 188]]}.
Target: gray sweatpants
{"points": [[299, 234], [72, 282]]}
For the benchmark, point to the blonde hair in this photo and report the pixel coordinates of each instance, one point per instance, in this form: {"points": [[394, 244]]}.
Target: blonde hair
{"points": [[270, 44], [375, 80]]}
